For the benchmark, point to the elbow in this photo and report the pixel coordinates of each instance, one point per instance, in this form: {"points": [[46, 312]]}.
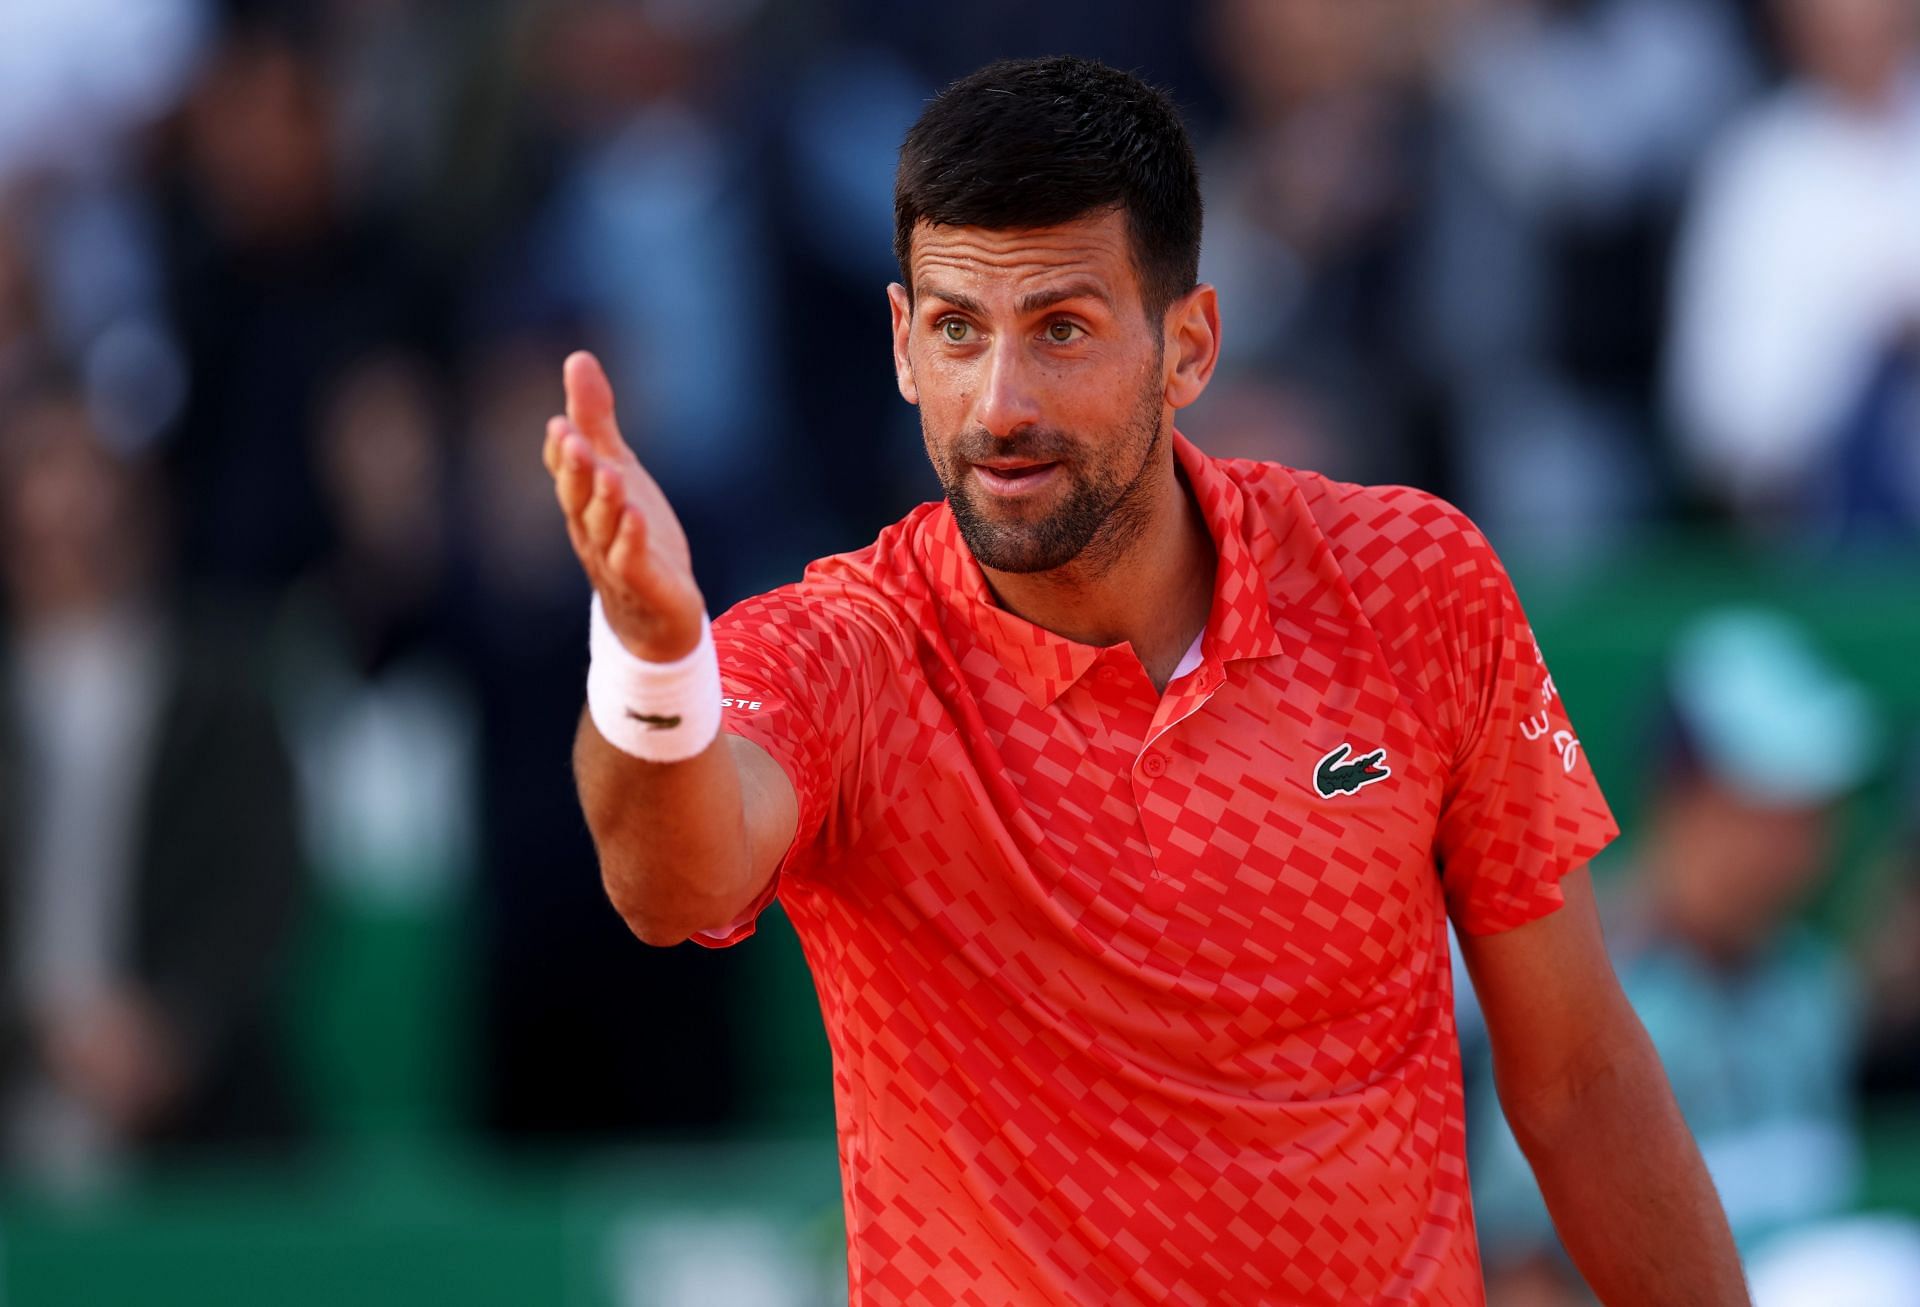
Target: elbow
{"points": [[656, 932], [659, 917], [651, 923]]}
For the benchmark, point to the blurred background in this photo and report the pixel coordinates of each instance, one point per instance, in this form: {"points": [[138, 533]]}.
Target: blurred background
{"points": [[308, 992]]}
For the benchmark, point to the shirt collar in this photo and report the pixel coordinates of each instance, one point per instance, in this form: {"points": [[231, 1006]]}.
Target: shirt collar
{"points": [[1239, 625]]}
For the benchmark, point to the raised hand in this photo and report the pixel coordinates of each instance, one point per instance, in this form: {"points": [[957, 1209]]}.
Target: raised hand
{"points": [[624, 531]]}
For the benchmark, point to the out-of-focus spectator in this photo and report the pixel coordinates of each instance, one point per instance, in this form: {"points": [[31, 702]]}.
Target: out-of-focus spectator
{"points": [[1757, 1017], [1798, 294], [1567, 131], [149, 868], [384, 735], [1312, 192], [656, 228], [277, 282]]}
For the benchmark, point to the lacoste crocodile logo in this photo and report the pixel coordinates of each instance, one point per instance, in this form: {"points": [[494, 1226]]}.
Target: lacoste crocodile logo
{"points": [[654, 723], [1334, 776]]}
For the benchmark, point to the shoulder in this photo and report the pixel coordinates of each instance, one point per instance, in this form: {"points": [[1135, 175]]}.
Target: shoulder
{"points": [[870, 599], [1389, 541], [1765, 149]]}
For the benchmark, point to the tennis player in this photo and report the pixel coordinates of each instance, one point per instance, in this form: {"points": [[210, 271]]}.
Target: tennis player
{"points": [[1122, 799]]}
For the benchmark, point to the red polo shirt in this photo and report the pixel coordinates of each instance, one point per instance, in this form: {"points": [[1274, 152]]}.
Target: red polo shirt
{"points": [[1141, 997]]}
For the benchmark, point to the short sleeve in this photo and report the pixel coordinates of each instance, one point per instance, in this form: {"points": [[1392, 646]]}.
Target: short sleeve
{"points": [[799, 667], [1522, 807]]}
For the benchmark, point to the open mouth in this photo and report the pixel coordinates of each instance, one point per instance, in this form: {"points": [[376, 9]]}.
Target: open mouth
{"points": [[1016, 479]]}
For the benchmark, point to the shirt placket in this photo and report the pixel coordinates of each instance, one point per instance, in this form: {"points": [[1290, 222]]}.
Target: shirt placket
{"points": [[1158, 785]]}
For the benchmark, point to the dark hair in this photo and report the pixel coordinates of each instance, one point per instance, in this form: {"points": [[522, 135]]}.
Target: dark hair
{"points": [[1035, 142]]}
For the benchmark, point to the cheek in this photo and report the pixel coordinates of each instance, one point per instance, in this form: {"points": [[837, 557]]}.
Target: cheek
{"points": [[946, 387]]}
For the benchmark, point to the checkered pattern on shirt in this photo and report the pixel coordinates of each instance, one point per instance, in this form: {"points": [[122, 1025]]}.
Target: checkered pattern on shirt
{"points": [[1122, 1010]]}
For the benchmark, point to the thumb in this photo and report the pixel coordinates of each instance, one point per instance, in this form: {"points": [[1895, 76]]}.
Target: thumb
{"points": [[590, 401]]}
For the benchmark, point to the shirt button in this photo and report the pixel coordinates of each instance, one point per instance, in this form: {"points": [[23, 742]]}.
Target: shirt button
{"points": [[1154, 765], [1110, 676]]}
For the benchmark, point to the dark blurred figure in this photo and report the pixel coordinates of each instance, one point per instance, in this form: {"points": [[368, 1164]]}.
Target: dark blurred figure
{"points": [[383, 731], [1313, 191], [585, 1033], [278, 280], [149, 870], [1795, 377], [1758, 1018], [657, 225]]}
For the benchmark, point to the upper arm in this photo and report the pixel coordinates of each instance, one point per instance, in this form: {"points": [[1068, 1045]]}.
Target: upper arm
{"points": [[1522, 808], [1553, 1007], [801, 672], [771, 807]]}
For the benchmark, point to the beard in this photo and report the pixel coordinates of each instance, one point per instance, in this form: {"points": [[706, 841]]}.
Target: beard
{"points": [[1103, 510]]}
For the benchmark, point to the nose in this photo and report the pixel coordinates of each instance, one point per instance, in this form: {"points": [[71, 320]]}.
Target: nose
{"points": [[1008, 398]]}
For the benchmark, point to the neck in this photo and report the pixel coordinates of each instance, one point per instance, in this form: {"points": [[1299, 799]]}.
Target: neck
{"points": [[1153, 591]]}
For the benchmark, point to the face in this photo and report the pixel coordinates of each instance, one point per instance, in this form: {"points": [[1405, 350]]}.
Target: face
{"points": [[1044, 392], [1739, 870], [72, 522], [1856, 47]]}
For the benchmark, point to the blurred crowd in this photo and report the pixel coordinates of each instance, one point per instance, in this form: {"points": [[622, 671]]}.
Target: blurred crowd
{"points": [[1772, 1032], [293, 642]]}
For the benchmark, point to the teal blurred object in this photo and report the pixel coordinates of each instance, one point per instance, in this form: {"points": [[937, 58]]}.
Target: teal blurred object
{"points": [[1767, 712]]}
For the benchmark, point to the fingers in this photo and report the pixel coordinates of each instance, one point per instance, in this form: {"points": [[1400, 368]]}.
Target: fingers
{"points": [[629, 546], [604, 510], [610, 503], [608, 535], [590, 401], [573, 469]]}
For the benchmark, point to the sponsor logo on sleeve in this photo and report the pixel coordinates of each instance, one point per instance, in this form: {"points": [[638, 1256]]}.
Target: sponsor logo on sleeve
{"points": [[1539, 724]]}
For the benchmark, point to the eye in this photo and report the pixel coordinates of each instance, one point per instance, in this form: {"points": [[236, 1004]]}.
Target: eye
{"points": [[956, 330], [1063, 332]]}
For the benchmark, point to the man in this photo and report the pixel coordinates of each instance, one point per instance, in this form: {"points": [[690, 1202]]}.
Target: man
{"points": [[1120, 801]]}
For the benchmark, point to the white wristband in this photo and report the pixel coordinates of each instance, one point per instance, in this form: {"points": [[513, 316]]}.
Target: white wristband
{"points": [[663, 712]]}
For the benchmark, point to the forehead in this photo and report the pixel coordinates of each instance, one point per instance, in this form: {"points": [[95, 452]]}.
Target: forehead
{"points": [[982, 261]]}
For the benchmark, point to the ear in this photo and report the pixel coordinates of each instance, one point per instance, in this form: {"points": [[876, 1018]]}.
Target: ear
{"points": [[1192, 344], [902, 334]]}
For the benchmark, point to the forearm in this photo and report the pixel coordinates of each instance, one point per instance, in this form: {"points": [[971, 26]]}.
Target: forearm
{"points": [[684, 846], [1625, 1184], [675, 852]]}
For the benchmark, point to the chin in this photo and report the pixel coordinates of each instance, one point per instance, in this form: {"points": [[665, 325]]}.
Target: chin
{"points": [[1015, 549]]}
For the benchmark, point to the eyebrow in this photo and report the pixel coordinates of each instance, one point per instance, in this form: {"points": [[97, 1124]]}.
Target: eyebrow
{"points": [[1040, 300], [1028, 304]]}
